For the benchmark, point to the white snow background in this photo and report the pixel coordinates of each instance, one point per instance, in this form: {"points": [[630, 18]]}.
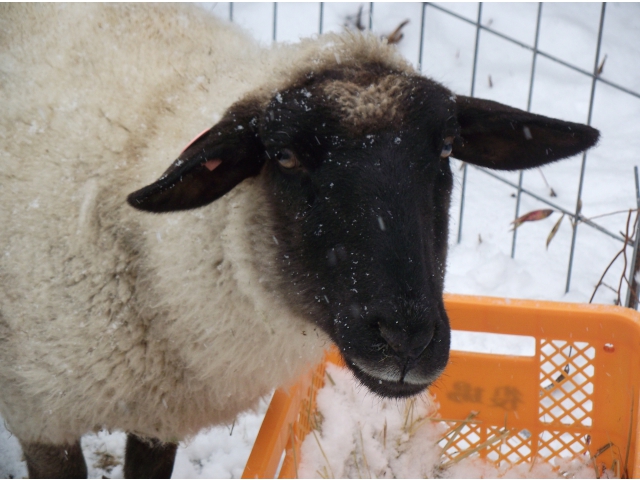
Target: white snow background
{"points": [[480, 264]]}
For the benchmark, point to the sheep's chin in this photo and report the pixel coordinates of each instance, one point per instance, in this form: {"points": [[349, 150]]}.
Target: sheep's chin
{"points": [[387, 388]]}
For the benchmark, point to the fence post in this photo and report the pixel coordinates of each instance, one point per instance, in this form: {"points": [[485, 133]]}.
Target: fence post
{"points": [[275, 20], [424, 10], [632, 291], [473, 87], [584, 155], [531, 81]]}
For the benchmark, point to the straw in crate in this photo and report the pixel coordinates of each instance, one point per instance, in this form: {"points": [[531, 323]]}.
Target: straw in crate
{"points": [[577, 395]]}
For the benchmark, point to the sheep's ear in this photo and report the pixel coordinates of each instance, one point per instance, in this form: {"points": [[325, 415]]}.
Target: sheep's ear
{"points": [[210, 166], [505, 138]]}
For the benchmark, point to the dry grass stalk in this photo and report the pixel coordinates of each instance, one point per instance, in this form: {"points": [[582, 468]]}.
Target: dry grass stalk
{"points": [[410, 425], [470, 451], [384, 435], [603, 449], [413, 428], [324, 455], [323, 473], [615, 466], [595, 467], [333, 383], [311, 410], [454, 432], [293, 450], [408, 413], [355, 461], [364, 456]]}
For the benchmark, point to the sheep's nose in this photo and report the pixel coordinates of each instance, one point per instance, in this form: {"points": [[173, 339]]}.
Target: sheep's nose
{"points": [[407, 347]]}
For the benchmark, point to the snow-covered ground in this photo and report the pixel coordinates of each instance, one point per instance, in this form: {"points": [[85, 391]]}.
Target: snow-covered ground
{"points": [[481, 262]]}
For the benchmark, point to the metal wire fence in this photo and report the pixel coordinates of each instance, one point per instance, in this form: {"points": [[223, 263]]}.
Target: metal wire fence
{"points": [[482, 29], [596, 78]]}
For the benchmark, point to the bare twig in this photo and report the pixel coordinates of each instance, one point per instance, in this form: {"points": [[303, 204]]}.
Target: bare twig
{"points": [[624, 256], [611, 213], [603, 274], [623, 252]]}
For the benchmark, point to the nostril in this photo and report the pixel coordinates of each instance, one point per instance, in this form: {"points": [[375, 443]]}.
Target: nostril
{"points": [[405, 346], [420, 342], [396, 339], [417, 351]]}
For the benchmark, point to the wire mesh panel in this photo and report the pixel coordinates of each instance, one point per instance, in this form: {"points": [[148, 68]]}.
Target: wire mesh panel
{"points": [[571, 61], [566, 373]]}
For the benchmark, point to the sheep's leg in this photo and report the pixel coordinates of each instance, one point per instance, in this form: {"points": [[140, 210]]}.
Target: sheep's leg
{"points": [[54, 461], [148, 458]]}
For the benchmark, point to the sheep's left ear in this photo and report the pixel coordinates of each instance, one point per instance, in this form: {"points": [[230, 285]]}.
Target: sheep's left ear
{"points": [[505, 138], [210, 166]]}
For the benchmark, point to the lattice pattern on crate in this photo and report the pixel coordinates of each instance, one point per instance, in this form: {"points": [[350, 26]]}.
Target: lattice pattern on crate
{"points": [[561, 444], [460, 439], [566, 390], [490, 442], [514, 449], [566, 382]]}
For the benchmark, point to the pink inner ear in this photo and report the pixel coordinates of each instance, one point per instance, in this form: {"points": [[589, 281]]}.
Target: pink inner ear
{"points": [[194, 139], [212, 164]]}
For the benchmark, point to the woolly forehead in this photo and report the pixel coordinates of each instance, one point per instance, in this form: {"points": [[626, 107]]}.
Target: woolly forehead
{"points": [[352, 102]]}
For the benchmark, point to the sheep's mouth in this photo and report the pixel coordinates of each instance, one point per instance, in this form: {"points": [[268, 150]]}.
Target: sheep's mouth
{"points": [[385, 387]]}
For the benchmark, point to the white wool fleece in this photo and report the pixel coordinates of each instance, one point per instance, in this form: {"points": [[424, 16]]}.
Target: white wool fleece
{"points": [[113, 318]]}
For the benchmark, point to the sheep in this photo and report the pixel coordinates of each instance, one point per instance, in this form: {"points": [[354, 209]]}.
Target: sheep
{"points": [[313, 211]]}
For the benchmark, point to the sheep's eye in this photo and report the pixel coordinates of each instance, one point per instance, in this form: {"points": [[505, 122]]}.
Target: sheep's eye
{"points": [[447, 148], [287, 159]]}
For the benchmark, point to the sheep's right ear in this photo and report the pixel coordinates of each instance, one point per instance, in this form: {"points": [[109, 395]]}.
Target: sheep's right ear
{"points": [[504, 138], [210, 166]]}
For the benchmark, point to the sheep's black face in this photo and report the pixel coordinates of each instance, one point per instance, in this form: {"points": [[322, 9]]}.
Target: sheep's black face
{"points": [[354, 163], [360, 192]]}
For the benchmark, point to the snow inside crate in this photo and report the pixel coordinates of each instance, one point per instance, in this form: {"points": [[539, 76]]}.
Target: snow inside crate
{"points": [[569, 409]]}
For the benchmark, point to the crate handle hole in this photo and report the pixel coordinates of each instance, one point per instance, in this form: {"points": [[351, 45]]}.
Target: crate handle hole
{"points": [[493, 343]]}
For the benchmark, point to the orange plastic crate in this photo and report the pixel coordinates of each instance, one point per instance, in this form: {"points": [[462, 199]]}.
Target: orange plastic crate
{"points": [[578, 393]]}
